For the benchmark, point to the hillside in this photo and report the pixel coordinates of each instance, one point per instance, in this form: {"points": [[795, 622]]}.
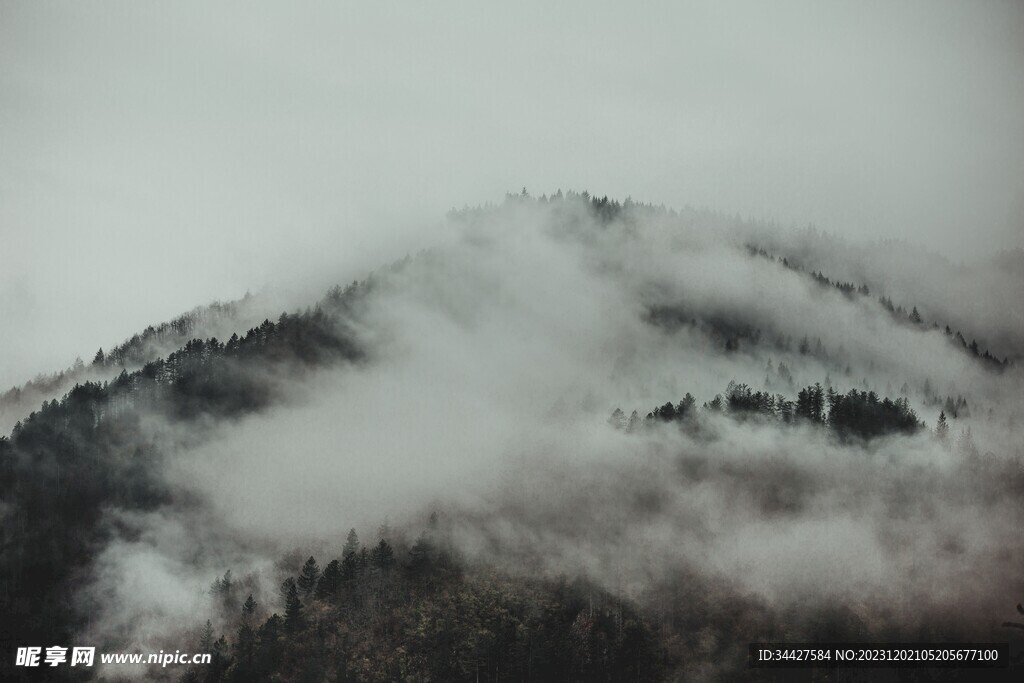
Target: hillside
{"points": [[580, 439]]}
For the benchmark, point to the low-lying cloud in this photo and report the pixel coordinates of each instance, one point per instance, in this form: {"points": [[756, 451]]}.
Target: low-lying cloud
{"points": [[493, 363]]}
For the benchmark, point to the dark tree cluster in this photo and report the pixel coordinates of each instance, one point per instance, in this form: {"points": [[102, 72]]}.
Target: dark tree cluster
{"points": [[863, 414], [742, 401], [956, 407], [847, 288], [855, 414], [674, 413], [66, 463], [401, 612], [139, 348]]}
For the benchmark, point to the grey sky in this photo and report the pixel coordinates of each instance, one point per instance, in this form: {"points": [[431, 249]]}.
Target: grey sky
{"points": [[154, 156]]}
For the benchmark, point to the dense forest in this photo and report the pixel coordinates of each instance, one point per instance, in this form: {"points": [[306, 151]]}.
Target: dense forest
{"points": [[418, 612], [66, 463], [153, 343]]}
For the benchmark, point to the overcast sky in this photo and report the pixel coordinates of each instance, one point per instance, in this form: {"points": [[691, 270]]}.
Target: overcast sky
{"points": [[155, 156]]}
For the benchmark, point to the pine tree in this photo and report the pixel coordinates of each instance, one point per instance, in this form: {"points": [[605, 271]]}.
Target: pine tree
{"points": [[351, 543], [249, 607], [219, 661], [817, 403], [350, 564], [308, 577], [804, 406], [330, 582], [221, 585], [949, 407], [293, 619], [224, 589], [831, 398], [383, 557], [245, 642], [419, 555], [206, 637], [941, 428]]}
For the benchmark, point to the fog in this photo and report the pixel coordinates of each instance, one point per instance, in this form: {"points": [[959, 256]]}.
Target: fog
{"points": [[494, 361], [156, 157]]}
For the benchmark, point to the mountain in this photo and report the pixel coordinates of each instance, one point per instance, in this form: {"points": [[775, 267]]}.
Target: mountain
{"points": [[578, 439]]}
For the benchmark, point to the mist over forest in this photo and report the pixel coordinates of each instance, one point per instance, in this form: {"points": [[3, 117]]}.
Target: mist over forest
{"points": [[296, 373], [577, 439]]}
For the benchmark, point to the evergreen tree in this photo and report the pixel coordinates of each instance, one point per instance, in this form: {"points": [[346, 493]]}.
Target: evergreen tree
{"points": [[785, 375], [249, 607], [330, 582], [308, 577], [382, 557], [665, 413], [941, 428], [219, 661], [206, 637], [245, 642], [350, 557], [949, 407], [223, 588], [804, 404], [419, 555], [293, 618], [351, 543], [817, 396], [221, 585]]}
